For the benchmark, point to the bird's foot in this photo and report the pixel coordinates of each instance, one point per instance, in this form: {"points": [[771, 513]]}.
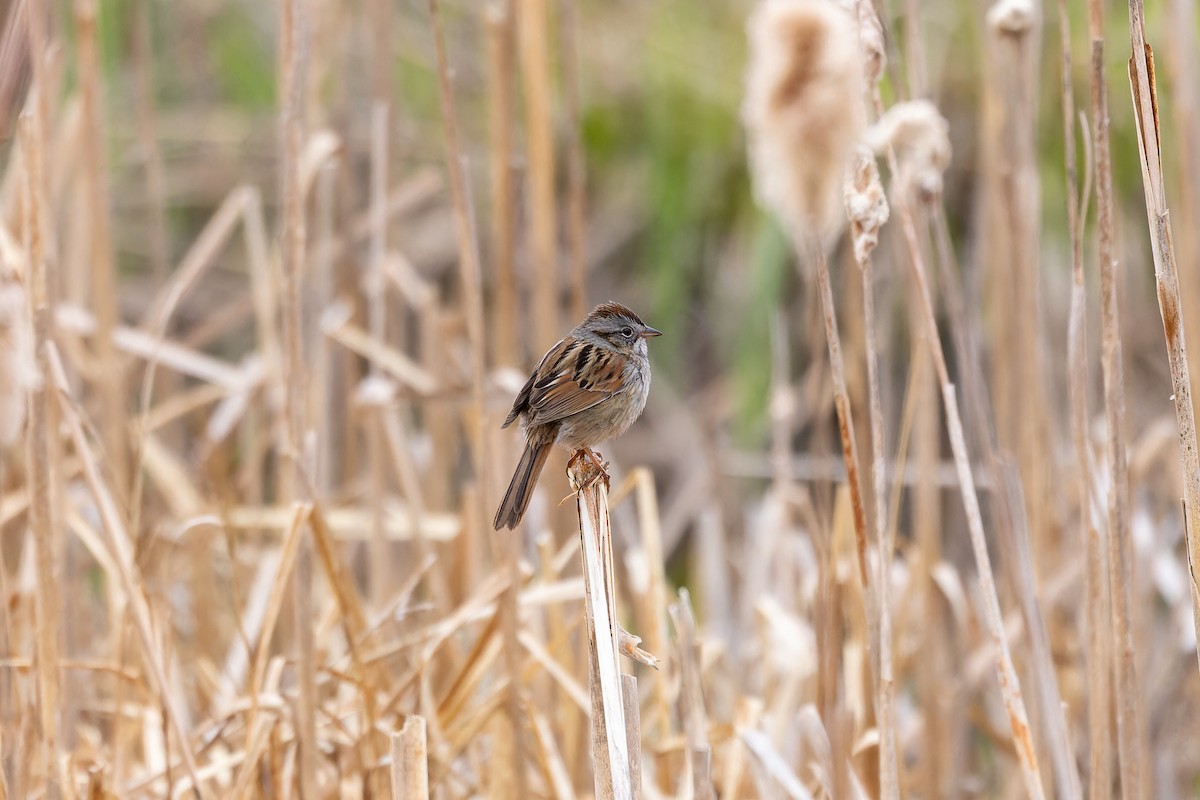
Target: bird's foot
{"points": [[582, 476]]}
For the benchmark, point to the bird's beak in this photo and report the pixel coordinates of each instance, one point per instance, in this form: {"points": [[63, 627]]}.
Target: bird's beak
{"points": [[649, 333]]}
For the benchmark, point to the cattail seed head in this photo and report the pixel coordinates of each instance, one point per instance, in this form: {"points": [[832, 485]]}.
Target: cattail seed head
{"points": [[920, 136], [866, 204], [1012, 17], [803, 109]]}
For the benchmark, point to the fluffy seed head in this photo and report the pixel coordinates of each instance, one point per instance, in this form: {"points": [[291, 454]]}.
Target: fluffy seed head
{"points": [[866, 204], [803, 108], [1011, 17], [921, 138]]}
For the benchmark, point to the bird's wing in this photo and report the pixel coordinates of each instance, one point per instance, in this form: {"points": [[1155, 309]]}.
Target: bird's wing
{"points": [[583, 376]]}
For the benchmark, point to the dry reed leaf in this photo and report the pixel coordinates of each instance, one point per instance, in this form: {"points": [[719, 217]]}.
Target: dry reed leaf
{"points": [[322, 147], [776, 766], [348, 523], [336, 325], [802, 109], [18, 369], [166, 352]]}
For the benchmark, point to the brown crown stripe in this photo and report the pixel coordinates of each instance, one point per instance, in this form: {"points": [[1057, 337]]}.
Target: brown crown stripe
{"points": [[612, 310]]}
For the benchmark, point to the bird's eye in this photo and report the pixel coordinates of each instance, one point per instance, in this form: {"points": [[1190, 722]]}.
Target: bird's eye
{"points": [[627, 332]]}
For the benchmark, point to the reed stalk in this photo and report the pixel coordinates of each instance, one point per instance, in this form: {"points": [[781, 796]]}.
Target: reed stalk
{"points": [[610, 740], [532, 38]]}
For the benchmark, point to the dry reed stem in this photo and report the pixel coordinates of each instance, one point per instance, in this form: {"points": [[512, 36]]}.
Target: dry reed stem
{"points": [[377, 307], [1182, 41], [1097, 612], [293, 245], [539, 133], [1016, 28], [469, 270], [864, 184], [551, 759], [410, 761], [147, 135], [499, 27], [653, 606], [888, 764], [1126, 686], [42, 523], [610, 750], [1166, 277], [1010, 686], [576, 169], [776, 765], [633, 731], [120, 543], [279, 586], [691, 698], [103, 267], [841, 399]]}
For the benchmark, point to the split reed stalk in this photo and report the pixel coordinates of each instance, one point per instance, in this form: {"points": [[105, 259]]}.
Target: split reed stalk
{"points": [[1126, 688], [1166, 278], [1184, 77], [610, 748]]}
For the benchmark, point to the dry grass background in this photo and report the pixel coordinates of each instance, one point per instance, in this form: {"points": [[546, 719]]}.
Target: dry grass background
{"points": [[270, 274]]}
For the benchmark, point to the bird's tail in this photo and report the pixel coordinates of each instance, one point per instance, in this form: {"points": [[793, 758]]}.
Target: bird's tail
{"points": [[520, 489]]}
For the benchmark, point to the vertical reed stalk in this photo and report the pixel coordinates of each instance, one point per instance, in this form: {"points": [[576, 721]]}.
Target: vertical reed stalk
{"points": [[380, 569], [610, 749], [498, 22], [539, 133], [103, 271], [42, 523], [1182, 42], [1166, 278], [889, 774], [1120, 545], [1097, 612], [469, 271], [410, 761], [576, 170], [1010, 686], [293, 246], [841, 400], [147, 134]]}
